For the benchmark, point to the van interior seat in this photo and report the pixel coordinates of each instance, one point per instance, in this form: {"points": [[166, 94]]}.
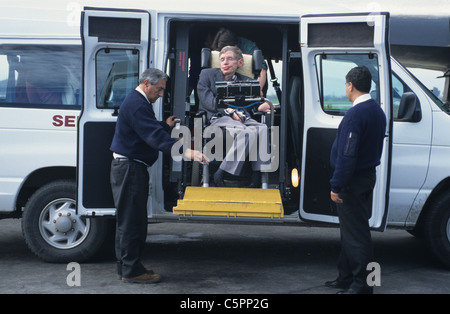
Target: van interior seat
{"points": [[70, 95]]}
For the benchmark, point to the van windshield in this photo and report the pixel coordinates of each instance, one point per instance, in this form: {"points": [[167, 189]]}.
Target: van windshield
{"points": [[40, 76], [444, 106]]}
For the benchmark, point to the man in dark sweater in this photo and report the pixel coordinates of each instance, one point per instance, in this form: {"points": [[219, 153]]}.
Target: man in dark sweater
{"points": [[354, 156], [138, 138]]}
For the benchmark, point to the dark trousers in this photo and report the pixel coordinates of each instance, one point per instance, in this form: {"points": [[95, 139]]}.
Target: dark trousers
{"points": [[356, 242], [129, 185]]}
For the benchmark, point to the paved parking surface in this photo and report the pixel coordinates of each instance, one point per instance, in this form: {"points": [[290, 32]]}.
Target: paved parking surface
{"points": [[227, 259]]}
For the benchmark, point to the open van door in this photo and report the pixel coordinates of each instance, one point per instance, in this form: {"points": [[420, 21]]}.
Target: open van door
{"points": [[331, 45], [116, 47]]}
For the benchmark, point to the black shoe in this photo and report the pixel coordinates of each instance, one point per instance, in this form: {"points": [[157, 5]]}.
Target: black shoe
{"points": [[367, 290], [256, 180], [337, 284], [254, 185], [347, 291], [218, 178], [363, 290]]}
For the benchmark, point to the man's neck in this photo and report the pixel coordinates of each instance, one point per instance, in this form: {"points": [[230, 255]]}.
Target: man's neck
{"points": [[229, 77], [140, 90], [361, 98]]}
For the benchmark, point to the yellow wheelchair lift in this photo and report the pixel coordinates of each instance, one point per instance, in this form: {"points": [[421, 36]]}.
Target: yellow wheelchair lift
{"points": [[230, 202]]}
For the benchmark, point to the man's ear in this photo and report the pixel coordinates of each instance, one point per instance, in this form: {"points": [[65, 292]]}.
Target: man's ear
{"points": [[146, 83], [240, 62], [351, 86]]}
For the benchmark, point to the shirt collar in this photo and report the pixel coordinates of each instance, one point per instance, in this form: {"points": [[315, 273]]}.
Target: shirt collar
{"points": [[142, 93], [361, 99]]}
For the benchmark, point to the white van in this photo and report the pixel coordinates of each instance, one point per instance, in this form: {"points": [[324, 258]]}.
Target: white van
{"points": [[40, 101], [312, 54]]}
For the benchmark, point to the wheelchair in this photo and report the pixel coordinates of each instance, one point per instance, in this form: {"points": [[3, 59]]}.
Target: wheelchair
{"points": [[237, 95]]}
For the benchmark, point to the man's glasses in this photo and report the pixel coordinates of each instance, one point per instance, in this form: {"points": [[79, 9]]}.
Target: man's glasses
{"points": [[229, 59]]}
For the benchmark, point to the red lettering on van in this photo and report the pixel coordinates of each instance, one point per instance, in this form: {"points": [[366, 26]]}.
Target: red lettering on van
{"points": [[58, 120], [65, 121], [70, 121]]}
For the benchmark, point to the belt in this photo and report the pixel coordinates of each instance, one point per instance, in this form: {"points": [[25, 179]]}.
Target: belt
{"points": [[124, 158]]}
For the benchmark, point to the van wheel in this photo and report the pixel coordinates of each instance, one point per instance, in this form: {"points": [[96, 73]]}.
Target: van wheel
{"points": [[53, 230], [437, 228]]}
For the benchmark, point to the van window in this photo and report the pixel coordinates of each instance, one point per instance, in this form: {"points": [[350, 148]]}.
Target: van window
{"points": [[117, 75], [331, 71], [40, 76]]}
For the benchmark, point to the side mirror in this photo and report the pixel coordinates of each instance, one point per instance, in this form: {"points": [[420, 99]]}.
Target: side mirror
{"points": [[409, 108]]}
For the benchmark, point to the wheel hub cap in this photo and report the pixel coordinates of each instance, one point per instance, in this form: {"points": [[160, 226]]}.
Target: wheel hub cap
{"points": [[63, 223], [61, 227]]}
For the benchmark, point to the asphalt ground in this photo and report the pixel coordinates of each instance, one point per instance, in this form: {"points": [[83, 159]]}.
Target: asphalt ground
{"points": [[226, 259]]}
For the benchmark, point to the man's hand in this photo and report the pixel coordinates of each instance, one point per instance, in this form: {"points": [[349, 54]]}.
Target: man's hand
{"points": [[335, 198], [196, 156], [264, 107], [171, 121], [236, 117]]}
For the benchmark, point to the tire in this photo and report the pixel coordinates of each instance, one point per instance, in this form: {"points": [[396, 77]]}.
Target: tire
{"points": [[437, 228], [54, 232]]}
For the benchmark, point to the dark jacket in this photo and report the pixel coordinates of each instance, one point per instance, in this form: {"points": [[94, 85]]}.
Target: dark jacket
{"points": [[206, 89], [358, 145], [139, 135]]}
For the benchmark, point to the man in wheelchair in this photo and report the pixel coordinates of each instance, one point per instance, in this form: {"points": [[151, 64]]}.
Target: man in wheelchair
{"points": [[218, 91]]}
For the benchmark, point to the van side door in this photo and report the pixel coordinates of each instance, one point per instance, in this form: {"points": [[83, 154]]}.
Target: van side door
{"points": [[331, 45], [116, 49]]}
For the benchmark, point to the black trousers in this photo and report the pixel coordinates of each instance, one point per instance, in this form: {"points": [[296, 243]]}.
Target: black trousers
{"points": [[129, 185], [356, 241]]}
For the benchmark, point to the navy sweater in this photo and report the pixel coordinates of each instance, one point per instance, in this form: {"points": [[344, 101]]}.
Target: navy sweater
{"points": [[359, 143], [139, 135]]}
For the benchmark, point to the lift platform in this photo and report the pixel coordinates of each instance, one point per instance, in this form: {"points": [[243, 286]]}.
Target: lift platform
{"points": [[230, 202]]}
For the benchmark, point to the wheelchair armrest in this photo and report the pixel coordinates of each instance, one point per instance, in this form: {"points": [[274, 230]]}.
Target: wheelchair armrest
{"points": [[255, 113], [200, 113]]}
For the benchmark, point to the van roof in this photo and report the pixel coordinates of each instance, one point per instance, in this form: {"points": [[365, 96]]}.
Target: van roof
{"points": [[55, 19], [59, 21]]}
